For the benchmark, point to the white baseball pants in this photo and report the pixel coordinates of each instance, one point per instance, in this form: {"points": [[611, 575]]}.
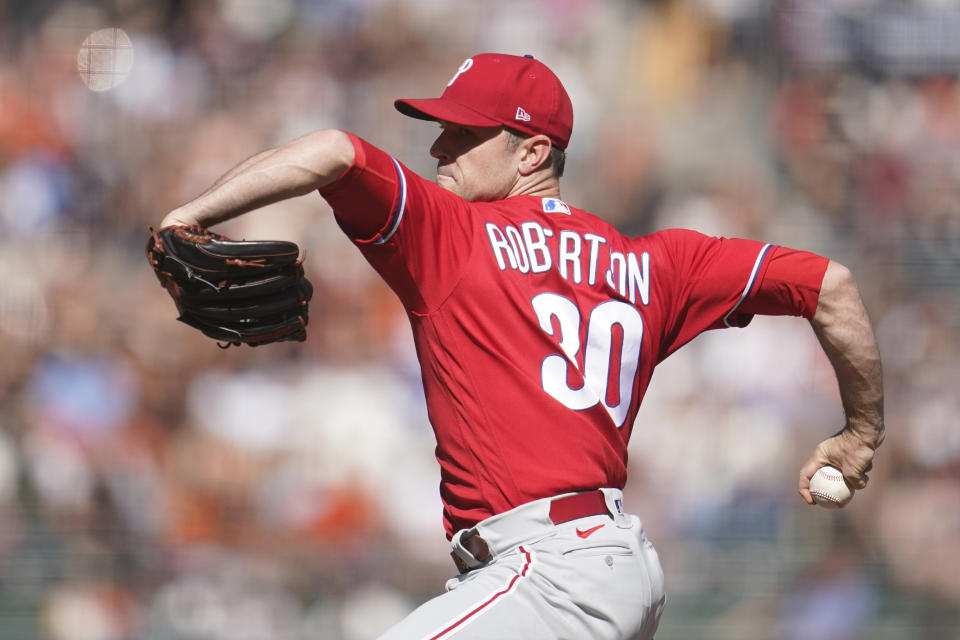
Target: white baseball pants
{"points": [[595, 577]]}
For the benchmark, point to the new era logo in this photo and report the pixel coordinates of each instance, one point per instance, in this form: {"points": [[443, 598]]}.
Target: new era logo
{"points": [[522, 115]]}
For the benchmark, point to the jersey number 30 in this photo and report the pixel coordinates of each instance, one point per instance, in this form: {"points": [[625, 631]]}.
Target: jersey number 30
{"points": [[601, 367]]}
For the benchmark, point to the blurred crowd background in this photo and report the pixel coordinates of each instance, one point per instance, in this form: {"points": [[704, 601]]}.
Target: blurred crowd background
{"points": [[154, 486]]}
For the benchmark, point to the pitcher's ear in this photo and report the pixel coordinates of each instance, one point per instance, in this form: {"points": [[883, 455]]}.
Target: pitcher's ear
{"points": [[534, 154]]}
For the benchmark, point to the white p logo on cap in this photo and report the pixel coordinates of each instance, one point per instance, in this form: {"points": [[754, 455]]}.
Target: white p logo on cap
{"points": [[464, 67]]}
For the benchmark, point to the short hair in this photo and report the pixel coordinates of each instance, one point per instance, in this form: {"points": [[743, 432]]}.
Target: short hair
{"points": [[557, 159]]}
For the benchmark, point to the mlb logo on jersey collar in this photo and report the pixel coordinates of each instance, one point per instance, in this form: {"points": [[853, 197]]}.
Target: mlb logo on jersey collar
{"points": [[553, 205]]}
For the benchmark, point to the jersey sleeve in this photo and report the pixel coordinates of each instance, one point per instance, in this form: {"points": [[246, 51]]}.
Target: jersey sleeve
{"points": [[790, 285], [416, 235], [713, 283]]}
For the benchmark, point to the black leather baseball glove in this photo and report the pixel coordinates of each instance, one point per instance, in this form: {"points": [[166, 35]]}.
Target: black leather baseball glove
{"points": [[236, 292]]}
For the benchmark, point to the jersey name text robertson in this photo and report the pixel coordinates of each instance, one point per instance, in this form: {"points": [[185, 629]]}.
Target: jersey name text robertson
{"points": [[532, 248]]}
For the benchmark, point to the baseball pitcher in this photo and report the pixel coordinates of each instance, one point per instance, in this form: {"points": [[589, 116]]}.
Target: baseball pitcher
{"points": [[537, 327]]}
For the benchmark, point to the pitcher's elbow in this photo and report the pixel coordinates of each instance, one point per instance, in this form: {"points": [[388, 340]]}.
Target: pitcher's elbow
{"points": [[330, 154]]}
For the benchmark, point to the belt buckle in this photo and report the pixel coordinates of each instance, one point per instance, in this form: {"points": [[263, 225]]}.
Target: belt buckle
{"points": [[477, 547], [458, 561]]}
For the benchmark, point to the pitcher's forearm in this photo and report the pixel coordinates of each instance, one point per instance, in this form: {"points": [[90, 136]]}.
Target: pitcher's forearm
{"points": [[295, 169], [243, 166], [248, 190], [844, 331]]}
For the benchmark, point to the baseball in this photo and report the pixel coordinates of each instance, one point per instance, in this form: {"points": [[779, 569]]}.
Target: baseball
{"points": [[829, 489]]}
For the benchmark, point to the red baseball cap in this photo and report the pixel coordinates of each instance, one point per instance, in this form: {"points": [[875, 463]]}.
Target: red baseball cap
{"points": [[495, 89]]}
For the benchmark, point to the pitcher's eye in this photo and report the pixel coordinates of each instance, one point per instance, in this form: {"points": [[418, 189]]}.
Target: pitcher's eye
{"points": [[458, 130]]}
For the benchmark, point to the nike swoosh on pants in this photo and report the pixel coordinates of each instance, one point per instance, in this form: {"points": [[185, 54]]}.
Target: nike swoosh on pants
{"points": [[586, 534]]}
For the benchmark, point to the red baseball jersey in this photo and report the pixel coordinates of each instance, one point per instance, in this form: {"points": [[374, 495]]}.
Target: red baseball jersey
{"points": [[538, 325]]}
